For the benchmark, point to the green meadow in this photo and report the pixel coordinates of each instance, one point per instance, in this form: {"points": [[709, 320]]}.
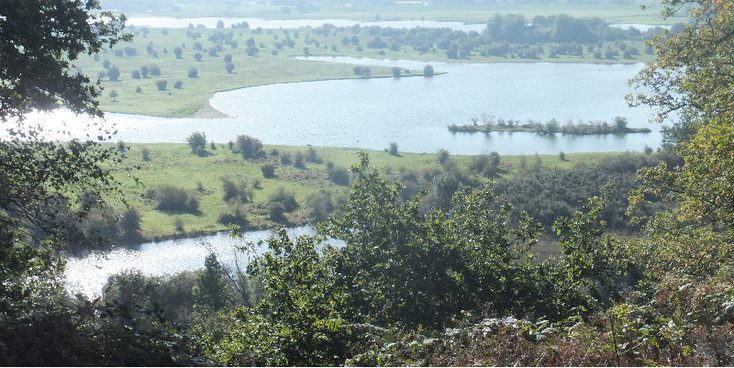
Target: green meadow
{"points": [[175, 164], [615, 13], [273, 62]]}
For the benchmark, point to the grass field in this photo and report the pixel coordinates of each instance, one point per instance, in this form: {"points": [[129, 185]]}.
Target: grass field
{"points": [[175, 164], [155, 48], [621, 13]]}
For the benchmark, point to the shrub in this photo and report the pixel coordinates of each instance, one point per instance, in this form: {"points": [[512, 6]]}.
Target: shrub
{"points": [[113, 73], [285, 159], [428, 71], [298, 162], [286, 199], [321, 205], [268, 171], [213, 52], [197, 56], [193, 73], [178, 51], [338, 175], [145, 153], [393, 148], [161, 84], [237, 216], [178, 223], [228, 58], [177, 84], [562, 155], [229, 67], [196, 140], [232, 190], [138, 90], [276, 212], [144, 71], [249, 147], [175, 199], [443, 156], [136, 74], [155, 70], [312, 156]]}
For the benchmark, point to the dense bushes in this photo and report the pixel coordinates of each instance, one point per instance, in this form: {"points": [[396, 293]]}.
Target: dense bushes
{"points": [[174, 199], [249, 147]]}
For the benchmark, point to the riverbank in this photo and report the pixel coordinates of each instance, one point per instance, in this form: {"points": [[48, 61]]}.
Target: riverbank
{"points": [[616, 13], [320, 182], [174, 72]]}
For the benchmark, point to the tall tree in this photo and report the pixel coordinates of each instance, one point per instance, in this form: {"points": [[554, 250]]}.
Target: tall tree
{"points": [[695, 67], [39, 40]]}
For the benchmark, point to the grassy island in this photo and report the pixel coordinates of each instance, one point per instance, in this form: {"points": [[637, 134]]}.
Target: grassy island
{"points": [[618, 126]]}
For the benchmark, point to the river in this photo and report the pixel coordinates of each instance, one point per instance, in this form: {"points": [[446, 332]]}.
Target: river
{"points": [[415, 112], [87, 275]]}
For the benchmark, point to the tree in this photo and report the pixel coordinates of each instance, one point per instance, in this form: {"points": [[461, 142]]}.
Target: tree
{"points": [[40, 78], [178, 51], [396, 71], [196, 140], [428, 71], [229, 67], [113, 73], [161, 84], [197, 56], [41, 178], [193, 73], [211, 292], [144, 71], [114, 95], [228, 58], [691, 65], [155, 70]]}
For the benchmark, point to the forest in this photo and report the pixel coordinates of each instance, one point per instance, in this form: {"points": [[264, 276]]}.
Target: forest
{"points": [[437, 268]]}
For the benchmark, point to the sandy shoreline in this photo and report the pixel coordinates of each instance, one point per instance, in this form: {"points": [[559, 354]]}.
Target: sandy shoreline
{"points": [[209, 112]]}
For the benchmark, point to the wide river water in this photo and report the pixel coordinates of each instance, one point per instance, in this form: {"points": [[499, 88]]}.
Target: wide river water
{"points": [[415, 111]]}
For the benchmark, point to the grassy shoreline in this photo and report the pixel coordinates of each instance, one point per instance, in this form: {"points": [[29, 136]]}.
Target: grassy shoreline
{"points": [[185, 93], [174, 163]]}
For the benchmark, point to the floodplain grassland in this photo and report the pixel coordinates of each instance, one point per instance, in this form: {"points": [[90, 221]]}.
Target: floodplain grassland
{"points": [[273, 62], [614, 13], [175, 164]]}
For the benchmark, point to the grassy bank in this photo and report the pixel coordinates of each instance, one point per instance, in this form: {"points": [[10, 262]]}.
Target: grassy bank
{"points": [[201, 72], [620, 13], [174, 164]]}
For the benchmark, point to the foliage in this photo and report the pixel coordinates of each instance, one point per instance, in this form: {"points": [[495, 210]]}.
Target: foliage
{"points": [[692, 64], [196, 140], [41, 78], [210, 291], [174, 199], [249, 147]]}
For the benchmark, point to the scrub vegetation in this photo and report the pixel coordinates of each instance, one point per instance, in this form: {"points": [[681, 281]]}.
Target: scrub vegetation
{"points": [[445, 260]]}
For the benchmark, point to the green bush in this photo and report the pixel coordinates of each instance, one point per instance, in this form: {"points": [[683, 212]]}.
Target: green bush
{"points": [[233, 190], [285, 198], [174, 199], [249, 147], [268, 171]]}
